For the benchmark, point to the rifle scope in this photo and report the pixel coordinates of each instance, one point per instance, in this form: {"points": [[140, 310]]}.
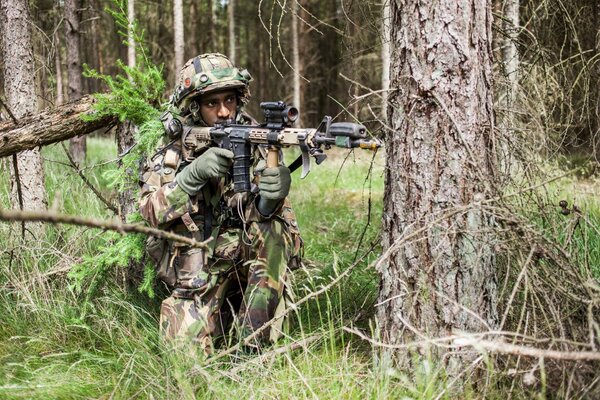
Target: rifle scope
{"points": [[278, 114]]}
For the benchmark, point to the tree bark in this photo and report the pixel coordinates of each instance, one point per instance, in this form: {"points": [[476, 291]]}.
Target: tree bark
{"points": [[77, 145], [179, 41], [49, 126], [125, 140], [437, 275], [27, 173]]}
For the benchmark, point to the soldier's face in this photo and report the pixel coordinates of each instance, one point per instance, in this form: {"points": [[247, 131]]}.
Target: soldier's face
{"points": [[218, 106]]}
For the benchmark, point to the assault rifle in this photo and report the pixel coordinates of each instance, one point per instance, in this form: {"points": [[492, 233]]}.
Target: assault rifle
{"points": [[276, 132]]}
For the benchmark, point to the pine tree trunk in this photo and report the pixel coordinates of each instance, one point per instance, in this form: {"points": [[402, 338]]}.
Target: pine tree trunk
{"points": [[212, 9], [130, 34], [77, 145], [297, 98], [439, 166], [231, 24], [178, 35], [27, 173], [596, 138], [385, 56], [60, 97], [510, 88], [125, 140], [510, 54]]}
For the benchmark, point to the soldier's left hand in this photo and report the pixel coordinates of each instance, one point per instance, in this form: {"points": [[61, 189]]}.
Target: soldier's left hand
{"points": [[274, 183]]}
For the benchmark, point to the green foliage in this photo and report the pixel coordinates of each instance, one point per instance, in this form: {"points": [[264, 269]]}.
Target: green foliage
{"points": [[134, 95]]}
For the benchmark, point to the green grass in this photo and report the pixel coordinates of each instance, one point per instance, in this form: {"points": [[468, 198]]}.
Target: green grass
{"points": [[58, 343]]}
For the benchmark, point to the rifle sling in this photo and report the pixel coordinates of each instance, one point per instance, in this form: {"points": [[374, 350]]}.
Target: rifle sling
{"points": [[295, 164]]}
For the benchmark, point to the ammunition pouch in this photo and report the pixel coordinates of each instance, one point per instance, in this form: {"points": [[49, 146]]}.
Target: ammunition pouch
{"points": [[158, 251]]}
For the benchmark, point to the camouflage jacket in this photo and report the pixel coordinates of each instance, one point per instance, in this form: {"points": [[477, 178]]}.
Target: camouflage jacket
{"points": [[163, 204]]}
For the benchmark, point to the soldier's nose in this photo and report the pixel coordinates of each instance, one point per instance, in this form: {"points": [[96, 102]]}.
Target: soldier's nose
{"points": [[223, 111]]}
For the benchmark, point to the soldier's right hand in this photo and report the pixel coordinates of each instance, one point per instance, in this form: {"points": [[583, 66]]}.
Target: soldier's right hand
{"points": [[214, 163]]}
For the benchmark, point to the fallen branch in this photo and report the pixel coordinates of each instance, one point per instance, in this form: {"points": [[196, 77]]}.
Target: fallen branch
{"points": [[474, 341], [49, 126], [55, 218], [513, 349]]}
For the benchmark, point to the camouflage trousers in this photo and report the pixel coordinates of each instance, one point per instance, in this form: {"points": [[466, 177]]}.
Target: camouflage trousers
{"points": [[231, 291]]}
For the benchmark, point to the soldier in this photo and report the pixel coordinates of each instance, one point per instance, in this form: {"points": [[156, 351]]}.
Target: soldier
{"points": [[239, 284]]}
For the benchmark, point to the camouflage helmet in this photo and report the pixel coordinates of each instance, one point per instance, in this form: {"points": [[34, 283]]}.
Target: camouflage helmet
{"points": [[208, 73]]}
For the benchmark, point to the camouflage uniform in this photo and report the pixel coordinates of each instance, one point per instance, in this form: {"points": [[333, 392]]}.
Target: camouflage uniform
{"points": [[242, 278]]}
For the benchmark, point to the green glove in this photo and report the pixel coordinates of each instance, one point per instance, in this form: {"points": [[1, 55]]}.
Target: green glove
{"points": [[214, 163], [274, 185]]}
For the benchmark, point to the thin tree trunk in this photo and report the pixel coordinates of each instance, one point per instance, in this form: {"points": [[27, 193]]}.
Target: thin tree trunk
{"points": [[27, 173], [192, 46], [437, 276], [385, 56], [125, 140], [178, 35], [510, 66], [231, 24], [510, 53], [77, 145], [596, 138], [297, 99], [60, 97], [130, 33], [212, 7]]}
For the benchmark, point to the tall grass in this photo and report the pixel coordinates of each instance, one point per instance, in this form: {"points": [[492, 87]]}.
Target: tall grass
{"points": [[58, 343]]}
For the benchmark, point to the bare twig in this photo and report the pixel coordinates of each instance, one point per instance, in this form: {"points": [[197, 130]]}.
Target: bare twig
{"points": [[85, 180], [55, 218]]}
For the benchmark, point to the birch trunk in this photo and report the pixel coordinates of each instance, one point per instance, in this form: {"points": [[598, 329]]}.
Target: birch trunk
{"points": [[77, 145], [178, 35], [27, 173], [439, 167]]}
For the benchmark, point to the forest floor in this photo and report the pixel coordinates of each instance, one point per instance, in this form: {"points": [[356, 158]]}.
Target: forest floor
{"points": [[56, 342]]}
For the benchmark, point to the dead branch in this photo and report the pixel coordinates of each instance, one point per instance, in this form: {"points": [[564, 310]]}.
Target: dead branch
{"points": [[517, 350], [86, 181], [56, 218], [49, 126]]}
